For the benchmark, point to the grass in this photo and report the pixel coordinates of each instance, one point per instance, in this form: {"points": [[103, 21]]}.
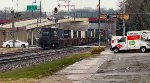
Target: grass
{"points": [[45, 69]]}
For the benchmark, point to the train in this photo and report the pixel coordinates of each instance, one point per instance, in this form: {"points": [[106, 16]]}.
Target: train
{"points": [[53, 37]]}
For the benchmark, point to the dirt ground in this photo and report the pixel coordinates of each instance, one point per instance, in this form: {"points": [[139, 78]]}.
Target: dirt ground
{"points": [[10, 50], [55, 79], [19, 81], [49, 79]]}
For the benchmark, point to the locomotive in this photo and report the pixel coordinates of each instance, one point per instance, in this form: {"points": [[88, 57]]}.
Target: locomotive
{"points": [[53, 37]]}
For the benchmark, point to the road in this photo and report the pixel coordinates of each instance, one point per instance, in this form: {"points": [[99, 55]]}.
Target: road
{"points": [[123, 68], [126, 67]]}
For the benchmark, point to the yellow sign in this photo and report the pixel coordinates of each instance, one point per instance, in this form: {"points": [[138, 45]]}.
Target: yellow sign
{"points": [[103, 16], [124, 16]]}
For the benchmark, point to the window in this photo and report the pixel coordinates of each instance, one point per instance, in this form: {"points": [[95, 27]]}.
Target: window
{"points": [[123, 39], [45, 33], [10, 41], [17, 42]]}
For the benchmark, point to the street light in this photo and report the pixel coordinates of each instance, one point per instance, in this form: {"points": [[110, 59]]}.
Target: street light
{"points": [[99, 24]]}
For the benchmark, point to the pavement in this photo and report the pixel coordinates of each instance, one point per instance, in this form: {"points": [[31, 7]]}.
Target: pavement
{"points": [[84, 69], [125, 67], [88, 46]]}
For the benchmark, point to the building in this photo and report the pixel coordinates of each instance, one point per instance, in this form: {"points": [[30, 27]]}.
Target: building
{"points": [[28, 30]]}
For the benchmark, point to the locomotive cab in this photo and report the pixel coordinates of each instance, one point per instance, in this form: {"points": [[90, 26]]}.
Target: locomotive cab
{"points": [[49, 37]]}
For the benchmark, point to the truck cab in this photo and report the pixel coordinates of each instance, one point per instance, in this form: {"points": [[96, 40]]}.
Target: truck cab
{"points": [[118, 43]]}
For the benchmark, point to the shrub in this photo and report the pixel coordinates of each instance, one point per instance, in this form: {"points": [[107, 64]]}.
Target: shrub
{"points": [[97, 50]]}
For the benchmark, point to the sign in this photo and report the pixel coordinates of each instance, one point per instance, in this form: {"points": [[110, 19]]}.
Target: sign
{"points": [[32, 7], [136, 37], [131, 43], [103, 16], [124, 16], [131, 33]]}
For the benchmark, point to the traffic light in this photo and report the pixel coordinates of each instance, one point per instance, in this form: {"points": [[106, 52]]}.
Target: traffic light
{"points": [[55, 10]]}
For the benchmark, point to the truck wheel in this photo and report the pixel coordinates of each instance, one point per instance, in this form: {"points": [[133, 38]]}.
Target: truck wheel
{"points": [[143, 49], [23, 46], [116, 50], [7, 46]]}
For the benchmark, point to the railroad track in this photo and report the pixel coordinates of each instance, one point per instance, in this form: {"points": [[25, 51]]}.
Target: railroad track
{"points": [[20, 52], [39, 54]]}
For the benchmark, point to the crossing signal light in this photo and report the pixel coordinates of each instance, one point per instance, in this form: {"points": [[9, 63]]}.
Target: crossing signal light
{"points": [[17, 14], [4, 33], [108, 16], [55, 10]]}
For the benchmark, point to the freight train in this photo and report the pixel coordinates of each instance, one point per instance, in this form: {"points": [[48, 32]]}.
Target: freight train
{"points": [[53, 37]]}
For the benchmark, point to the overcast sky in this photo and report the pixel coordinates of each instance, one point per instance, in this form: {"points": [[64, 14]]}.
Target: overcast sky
{"points": [[48, 5]]}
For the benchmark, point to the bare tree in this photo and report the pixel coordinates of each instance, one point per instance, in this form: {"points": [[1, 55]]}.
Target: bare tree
{"points": [[138, 21], [5, 13]]}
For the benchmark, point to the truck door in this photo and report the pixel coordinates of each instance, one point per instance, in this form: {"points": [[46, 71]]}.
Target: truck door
{"points": [[122, 43]]}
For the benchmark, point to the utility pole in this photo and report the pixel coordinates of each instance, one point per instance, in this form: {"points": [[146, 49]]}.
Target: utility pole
{"points": [[40, 11], [124, 26], [37, 32], [13, 27], [32, 10], [68, 4], [37, 27], [74, 13], [68, 8], [17, 5], [99, 22]]}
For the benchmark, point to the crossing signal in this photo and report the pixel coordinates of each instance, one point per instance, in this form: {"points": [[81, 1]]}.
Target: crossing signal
{"points": [[4, 33], [108, 16], [17, 14]]}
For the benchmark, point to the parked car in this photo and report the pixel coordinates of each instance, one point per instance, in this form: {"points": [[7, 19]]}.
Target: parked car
{"points": [[18, 43], [66, 17]]}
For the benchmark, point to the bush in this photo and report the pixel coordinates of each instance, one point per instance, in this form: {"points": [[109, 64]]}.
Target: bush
{"points": [[97, 50]]}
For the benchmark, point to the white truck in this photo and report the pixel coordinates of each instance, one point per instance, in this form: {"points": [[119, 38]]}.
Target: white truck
{"points": [[135, 40]]}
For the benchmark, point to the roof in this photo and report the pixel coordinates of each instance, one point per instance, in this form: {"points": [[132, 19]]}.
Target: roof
{"points": [[5, 21], [102, 20], [73, 20], [32, 23]]}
